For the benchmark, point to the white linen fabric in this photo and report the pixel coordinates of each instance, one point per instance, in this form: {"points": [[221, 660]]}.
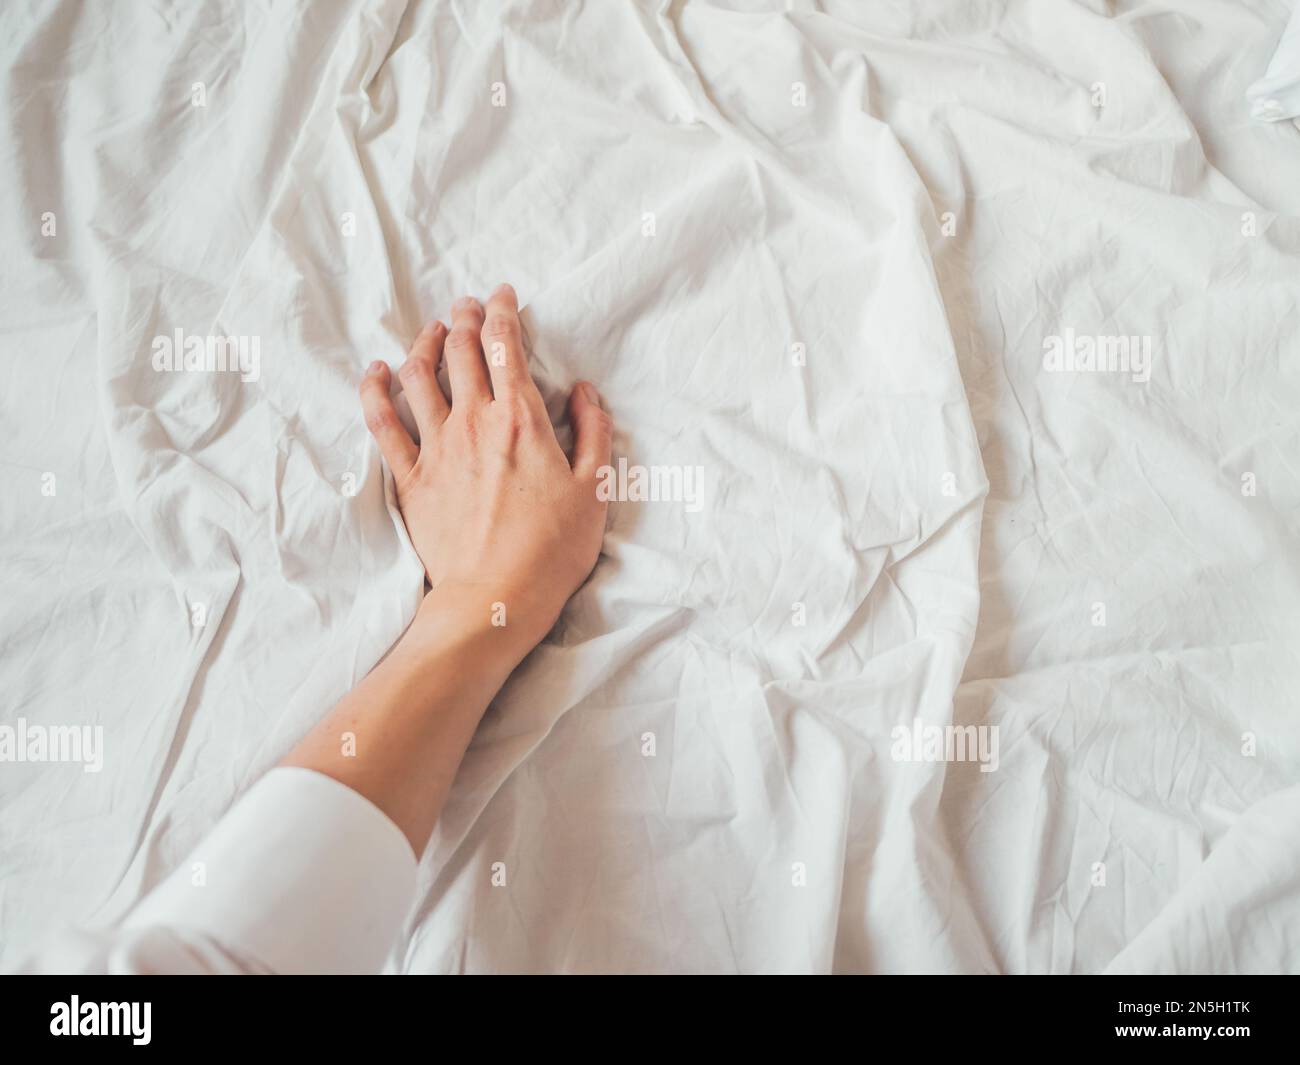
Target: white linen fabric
{"points": [[1276, 96], [824, 252]]}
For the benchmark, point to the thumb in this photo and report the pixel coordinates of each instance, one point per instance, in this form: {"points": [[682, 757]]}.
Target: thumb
{"points": [[593, 430]]}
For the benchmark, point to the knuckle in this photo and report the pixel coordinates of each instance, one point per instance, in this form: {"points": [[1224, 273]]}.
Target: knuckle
{"points": [[380, 419], [460, 339], [470, 428], [467, 318], [415, 370], [501, 327], [509, 432], [511, 416], [517, 413]]}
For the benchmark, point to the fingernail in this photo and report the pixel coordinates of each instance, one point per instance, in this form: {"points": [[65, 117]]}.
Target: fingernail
{"points": [[465, 303], [374, 367], [589, 390], [504, 289]]}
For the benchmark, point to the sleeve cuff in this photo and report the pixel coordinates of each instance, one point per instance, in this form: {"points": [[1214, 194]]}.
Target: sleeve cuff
{"points": [[303, 875]]}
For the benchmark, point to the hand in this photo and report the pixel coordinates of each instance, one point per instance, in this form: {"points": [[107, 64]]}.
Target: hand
{"points": [[495, 510]]}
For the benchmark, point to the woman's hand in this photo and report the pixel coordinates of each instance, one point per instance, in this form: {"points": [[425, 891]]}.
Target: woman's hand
{"points": [[502, 521]]}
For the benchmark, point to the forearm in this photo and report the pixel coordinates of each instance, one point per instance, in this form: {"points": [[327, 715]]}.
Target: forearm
{"points": [[398, 737]]}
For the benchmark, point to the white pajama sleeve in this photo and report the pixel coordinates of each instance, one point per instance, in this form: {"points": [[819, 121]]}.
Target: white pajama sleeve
{"points": [[302, 875]]}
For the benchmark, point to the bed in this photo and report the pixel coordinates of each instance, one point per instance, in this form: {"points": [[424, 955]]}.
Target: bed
{"points": [[828, 254]]}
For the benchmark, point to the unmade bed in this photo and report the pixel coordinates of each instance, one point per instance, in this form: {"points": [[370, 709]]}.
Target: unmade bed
{"points": [[822, 253]]}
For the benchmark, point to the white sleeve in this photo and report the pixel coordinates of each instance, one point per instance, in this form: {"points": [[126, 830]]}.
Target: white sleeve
{"points": [[302, 875]]}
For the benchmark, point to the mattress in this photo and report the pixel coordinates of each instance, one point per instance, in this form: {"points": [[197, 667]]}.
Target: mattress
{"points": [[978, 652]]}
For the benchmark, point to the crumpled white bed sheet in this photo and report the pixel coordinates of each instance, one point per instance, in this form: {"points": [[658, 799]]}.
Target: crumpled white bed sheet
{"points": [[953, 191]]}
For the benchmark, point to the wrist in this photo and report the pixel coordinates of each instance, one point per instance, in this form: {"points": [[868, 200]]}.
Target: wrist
{"points": [[492, 626]]}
